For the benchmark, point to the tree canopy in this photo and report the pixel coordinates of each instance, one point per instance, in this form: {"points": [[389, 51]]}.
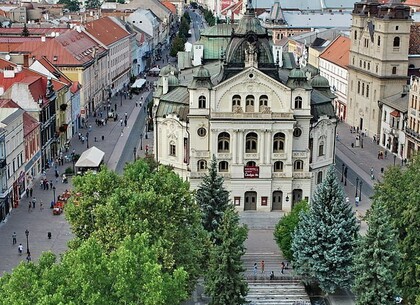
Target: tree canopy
{"points": [[71, 5], [376, 261], [145, 199], [285, 228], [323, 242], [225, 283], [400, 195]]}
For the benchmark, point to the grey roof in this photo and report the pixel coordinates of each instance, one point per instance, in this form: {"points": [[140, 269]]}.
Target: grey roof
{"points": [[177, 95], [8, 115], [318, 20], [314, 5], [321, 105], [165, 108], [397, 101]]}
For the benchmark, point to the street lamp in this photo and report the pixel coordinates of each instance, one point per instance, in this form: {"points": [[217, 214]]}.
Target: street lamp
{"points": [[342, 172], [360, 190], [73, 160], [135, 153], [27, 241], [395, 157], [141, 141], [53, 194], [345, 175], [357, 183], [121, 97]]}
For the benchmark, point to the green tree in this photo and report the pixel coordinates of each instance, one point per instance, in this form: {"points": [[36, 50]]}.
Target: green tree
{"points": [[184, 27], [286, 226], [157, 202], [93, 4], [225, 283], [177, 46], [71, 5], [213, 199], [186, 15], [376, 261], [323, 243], [399, 193]]}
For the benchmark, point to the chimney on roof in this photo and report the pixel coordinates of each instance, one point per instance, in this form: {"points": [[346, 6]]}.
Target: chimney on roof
{"points": [[8, 73], [1, 90], [43, 38], [18, 68]]}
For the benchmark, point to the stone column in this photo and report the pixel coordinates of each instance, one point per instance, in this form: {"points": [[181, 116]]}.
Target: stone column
{"points": [[241, 147], [234, 145], [261, 146]]}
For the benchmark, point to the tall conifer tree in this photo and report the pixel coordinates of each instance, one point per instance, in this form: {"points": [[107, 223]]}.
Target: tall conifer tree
{"points": [[325, 237], [376, 261], [212, 198]]}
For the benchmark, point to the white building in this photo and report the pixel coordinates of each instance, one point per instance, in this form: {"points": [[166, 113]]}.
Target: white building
{"points": [[333, 64], [272, 131], [413, 125]]}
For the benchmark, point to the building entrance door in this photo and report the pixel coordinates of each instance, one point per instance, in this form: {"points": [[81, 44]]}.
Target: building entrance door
{"points": [[296, 196], [277, 201], [250, 201]]}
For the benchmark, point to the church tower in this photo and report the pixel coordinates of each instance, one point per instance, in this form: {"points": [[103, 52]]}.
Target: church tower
{"points": [[378, 62]]}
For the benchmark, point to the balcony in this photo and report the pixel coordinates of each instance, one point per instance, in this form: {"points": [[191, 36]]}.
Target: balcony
{"points": [[251, 156], [252, 115], [200, 153], [279, 156], [300, 154], [197, 175], [412, 133], [224, 156]]}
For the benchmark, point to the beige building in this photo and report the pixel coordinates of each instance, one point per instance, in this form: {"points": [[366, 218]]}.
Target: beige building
{"points": [[412, 131], [271, 130], [378, 60]]}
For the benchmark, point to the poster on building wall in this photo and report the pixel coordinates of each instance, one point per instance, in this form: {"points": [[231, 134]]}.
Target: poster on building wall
{"points": [[251, 171]]}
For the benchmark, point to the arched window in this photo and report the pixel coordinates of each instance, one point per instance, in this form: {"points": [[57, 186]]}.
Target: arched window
{"points": [[298, 166], [263, 102], [236, 100], [251, 163], [201, 165], [202, 102], [394, 70], [396, 42], [172, 148], [249, 103], [223, 142], [319, 178], [223, 166], [321, 151], [278, 166], [379, 41], [251, 142], [278, 142], [298, 102]]}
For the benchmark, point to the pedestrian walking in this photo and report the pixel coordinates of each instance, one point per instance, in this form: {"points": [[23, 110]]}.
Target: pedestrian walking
{"points": [[29, 258], [27, 192], [30, 192], [121, 122], [283, 266], [14, 238], [41, 205], [262, 266], [255, 269], [29, 207], [272, 275], [20, 249], [125, 122], [33, 202], [356, 200], [386, 154]]}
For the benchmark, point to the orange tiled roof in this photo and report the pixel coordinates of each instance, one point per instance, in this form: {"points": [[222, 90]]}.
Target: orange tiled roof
{"points": [[75, 86], [106, 30], [170, 6], [57, 73], [69, 49], [338, 51], [30, 45], [29, 124]]}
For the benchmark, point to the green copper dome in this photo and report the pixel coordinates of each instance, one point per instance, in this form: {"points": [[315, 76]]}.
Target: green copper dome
{"points": [[297, 73], [202, 73], [173, 81], [168, 69], [320, 82]]}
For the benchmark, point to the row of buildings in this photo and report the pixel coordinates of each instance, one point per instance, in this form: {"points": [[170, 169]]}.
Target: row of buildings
{"points": [[56, 72]]}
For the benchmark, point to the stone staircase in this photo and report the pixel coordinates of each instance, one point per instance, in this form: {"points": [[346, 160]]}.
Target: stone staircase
{"points": [[285, 289]]}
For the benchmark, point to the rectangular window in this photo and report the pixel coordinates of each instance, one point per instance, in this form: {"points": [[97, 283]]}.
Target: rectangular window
{"points": [[264, 201], [172, 150], [237, 200]]}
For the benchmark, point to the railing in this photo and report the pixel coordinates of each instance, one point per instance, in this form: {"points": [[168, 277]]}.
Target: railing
{"points": [[303, 175], [226, 156], [252, 115]]}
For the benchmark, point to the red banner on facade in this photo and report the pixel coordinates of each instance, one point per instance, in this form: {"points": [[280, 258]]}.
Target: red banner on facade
{"points": [[251, 171]]}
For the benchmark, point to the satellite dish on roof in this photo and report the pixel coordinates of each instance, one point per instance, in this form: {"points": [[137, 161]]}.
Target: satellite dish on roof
{"points": [[7, 57]]}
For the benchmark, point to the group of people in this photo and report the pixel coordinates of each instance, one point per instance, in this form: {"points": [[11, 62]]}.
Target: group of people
{"points": [[283, 265], [20, 248]]}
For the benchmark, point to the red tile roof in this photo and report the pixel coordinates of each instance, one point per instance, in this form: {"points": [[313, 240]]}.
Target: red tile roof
{"points": [[338, 51], [170, 6], [37, 83], [414, 44], [29, 124], [106, 30], [72, 48], [75, 86], [56, 72], [30, 45], [17, 31]]}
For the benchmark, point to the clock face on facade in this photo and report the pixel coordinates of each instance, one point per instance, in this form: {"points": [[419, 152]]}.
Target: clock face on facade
{"points": [[297, 132], [202, 132]]}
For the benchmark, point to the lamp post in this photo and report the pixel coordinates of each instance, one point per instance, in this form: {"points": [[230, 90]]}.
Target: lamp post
{"points": [[345, 175], [360, 190], [120, 97], [141, 141], [395, 157], [342, 172], [27, 241], [53, 188], [135, 153], [357, 183], [72, 160]]}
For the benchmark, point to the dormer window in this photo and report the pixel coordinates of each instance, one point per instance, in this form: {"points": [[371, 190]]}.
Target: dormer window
{"points": [[298, 102]]}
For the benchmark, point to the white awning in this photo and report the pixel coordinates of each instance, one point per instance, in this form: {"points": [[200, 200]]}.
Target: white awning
{"points": [[90, 158], [155, 69], [138, 83]]}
